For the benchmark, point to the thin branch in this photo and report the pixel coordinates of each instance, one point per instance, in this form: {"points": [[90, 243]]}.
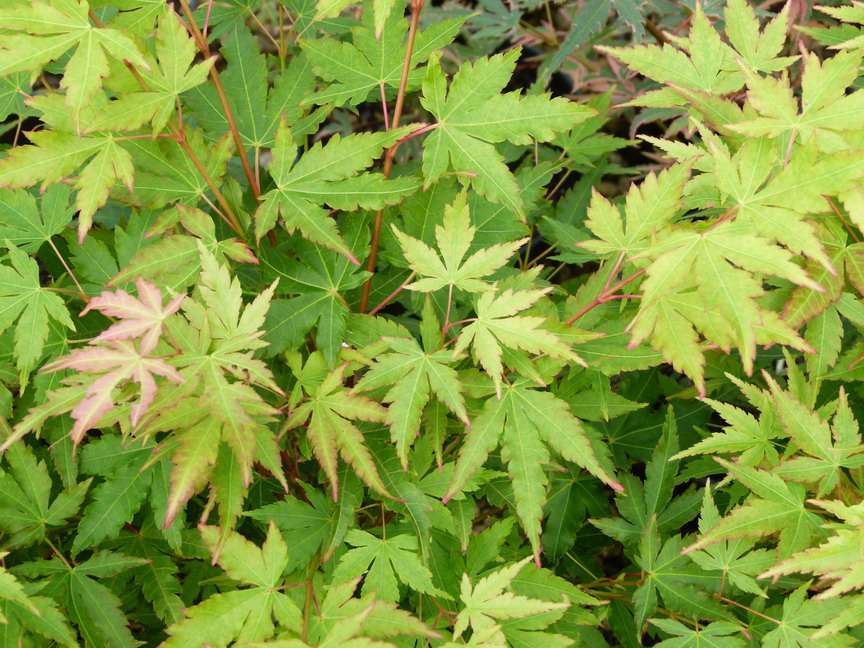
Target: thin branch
{"points": [[393, 294], [605, 296], [416, 8], [204, 46]]}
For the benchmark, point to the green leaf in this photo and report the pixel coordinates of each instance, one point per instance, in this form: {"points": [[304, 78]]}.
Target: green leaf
{"points": [[497, 324], [327, 174], [329, 410], [372, 62], [413, 375], [382, 560], [28, 227], [451, 269], [525, 421], [244, 615], [473, 115]]}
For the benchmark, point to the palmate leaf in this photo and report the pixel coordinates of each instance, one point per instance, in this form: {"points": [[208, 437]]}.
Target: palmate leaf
{"points": [[799, 619], [830, 453], [256, 107], [708, 282], [497, 324], [174, 261], [774, 507], [651, 501], [27, 226], [673, 578], [165, 81], [44, 32], [26, 507], [327, 174], [650, 210], [718, 634], [372, 62], [25, 301], [116, 362], [382, 560], [55, 154], [217, 339], [489, 601], [473, 115], [454, 238], [737, 560], [317, 278], [92, 605], [130, 480], [827, 111], [526, 423], [776, 201], [329, 410], [23, 616], [241, 615], [838, 559], [412, 376], [704, 62], [141, 316]]}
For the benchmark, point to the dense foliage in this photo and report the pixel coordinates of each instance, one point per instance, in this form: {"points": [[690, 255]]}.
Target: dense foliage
{"points": [[477, 323]]}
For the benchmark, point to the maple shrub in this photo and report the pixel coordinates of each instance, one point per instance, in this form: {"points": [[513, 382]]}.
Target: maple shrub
{"points": [[328, 324]]}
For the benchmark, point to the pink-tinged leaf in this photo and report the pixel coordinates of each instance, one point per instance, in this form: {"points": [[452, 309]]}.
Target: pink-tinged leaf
{"points": [[140, 317], [122, 361]]}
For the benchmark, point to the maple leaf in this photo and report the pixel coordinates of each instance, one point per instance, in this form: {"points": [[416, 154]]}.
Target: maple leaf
{"points": [[525, 421], [327, 174], [130, 477], [488, 602], [838, 559], [26, 507], [165, 81], [716, 296], [473, 115], [800, 617], [718, 634], [411, 374], [753, 439], [650, 209], [737, 560], [829, 455], [329, 409], [57, 153], [241, 615], [117, 362], [454, 239], [773, 507], [27, 226], [91, 604], [44, 32], [174, 261], [26, 614], [776, 202], [381, 560], [372, 62], [321, 524], [342, 615], [497, 324], [217, 339], [669, 574], [704, 63], [256, 105], [827, 111], [141, 316], [318, 278], [23, 299], [642, 501]]}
